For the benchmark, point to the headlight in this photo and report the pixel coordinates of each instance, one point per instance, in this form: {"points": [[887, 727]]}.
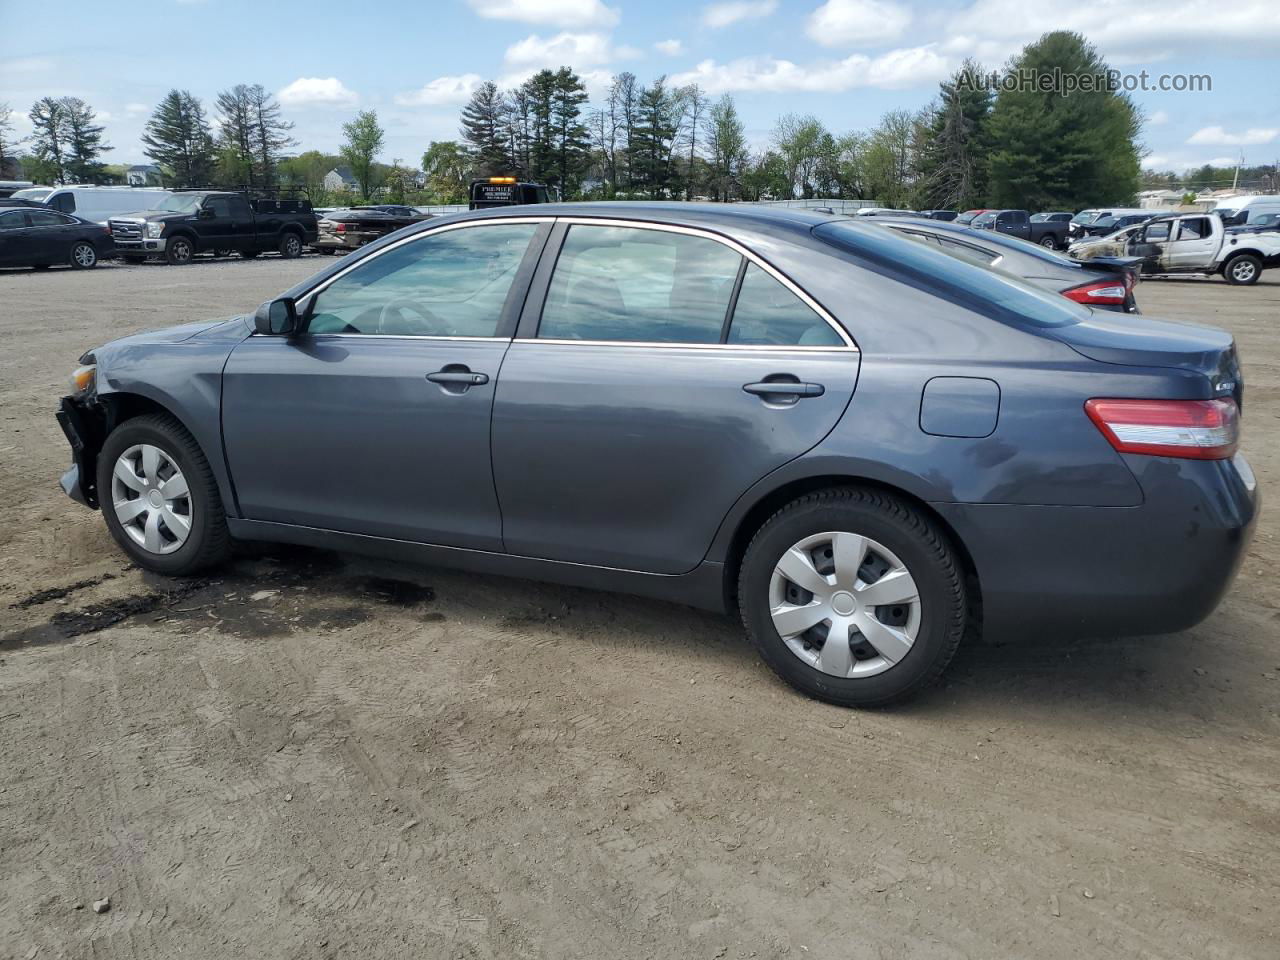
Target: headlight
{"points": [[155, 229], [82, 378]]}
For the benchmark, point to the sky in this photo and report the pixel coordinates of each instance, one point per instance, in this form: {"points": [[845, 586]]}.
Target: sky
{"points": [[844, 61]]}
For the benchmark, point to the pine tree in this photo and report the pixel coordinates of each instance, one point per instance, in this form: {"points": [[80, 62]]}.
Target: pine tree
{"points": [[177, 137], [954, 153], [236, 166], [269, 134], [84, 141], [569, 133], [1062, 152], [484, 130]]}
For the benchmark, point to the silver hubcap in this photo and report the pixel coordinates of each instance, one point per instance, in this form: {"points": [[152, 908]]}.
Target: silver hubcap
{"points": [[84, 255], [151, 499], [844, 604], [182, 250], [292, 245], [1242, 270]]}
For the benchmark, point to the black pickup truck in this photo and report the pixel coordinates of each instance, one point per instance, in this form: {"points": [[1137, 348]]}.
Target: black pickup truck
{"points": [[218, 222], [1018, 223]]}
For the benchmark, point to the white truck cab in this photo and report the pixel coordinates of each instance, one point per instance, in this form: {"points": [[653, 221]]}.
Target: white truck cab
{"points": [[1199, 243]]}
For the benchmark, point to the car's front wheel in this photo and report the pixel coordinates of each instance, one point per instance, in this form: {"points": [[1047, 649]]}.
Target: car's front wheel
{"points": [[853, 596], [179, 251], [159, 497]]}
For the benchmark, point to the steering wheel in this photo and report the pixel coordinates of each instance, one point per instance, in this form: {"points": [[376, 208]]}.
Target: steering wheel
{"points": [[426, 323]]}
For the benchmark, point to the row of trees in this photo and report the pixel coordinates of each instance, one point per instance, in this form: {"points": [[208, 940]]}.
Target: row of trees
{"points": [[1018, 147]]}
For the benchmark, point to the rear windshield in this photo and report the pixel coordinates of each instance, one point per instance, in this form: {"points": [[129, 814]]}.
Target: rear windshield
{"points": [[997, 294]]}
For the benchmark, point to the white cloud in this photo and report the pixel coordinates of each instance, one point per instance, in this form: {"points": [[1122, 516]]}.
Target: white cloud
{"points": [[1158, 119], [317, 91], [442, 91], [847, 23], [562, 50], [1218, 137], [723, 14], [556, 13], [1124, 32], [670, 48], [896, 70], [136, 109]]}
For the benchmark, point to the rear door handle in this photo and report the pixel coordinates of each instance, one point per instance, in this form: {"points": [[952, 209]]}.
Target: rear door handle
{"points": [[463, 377], [784, 388]]}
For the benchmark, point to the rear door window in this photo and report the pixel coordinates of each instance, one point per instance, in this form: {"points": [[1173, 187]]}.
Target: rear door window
{"points": [[639, 285], [769, 314], [13, 220], [47, 218]]}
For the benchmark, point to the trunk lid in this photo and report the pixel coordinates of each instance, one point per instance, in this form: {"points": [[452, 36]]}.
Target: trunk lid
{"points": [[1140, 341]]}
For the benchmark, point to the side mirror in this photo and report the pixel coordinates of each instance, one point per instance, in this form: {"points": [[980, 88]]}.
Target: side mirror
{"points": [[206, 213], [277, 318]]}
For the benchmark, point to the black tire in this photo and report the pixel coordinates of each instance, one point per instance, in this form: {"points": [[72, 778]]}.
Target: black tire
{"points": [[134, 261], [1242, 270], [249, 254], [83, 255], [179, 251], [1049, 242], [925, 550], [209, 542], [290, 245]]}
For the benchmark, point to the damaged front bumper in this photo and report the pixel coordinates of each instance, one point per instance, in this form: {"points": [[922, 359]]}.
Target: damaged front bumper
{"points": [[84, 432]]}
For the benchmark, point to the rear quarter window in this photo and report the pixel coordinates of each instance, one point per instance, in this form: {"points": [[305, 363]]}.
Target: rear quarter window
{"points": [[998, 295]]}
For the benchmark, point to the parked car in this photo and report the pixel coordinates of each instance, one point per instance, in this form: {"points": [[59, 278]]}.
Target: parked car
{"points": [[1198, 243], [1262, 223], [1112, 245], [1086, 218], [1105, 282], [946, 215], [969, 216], [1105, 225], [1018, 223], [100, 204], [341, 231], [1245, 211], [504, 192], [1055, 217], [191, 222], [865, 447], [42, 238], [18, 202]]}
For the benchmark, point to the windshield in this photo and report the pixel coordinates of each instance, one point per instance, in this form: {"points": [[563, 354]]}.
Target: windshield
{"points": [[1104, 222], [32, 193], [1040, 217], [1085, 216], [180, 203], [983, 219], [993, 293]]}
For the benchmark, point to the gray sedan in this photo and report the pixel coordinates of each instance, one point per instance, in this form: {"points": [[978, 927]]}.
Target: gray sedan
{"points": [[867, 449], [1105, 283]]}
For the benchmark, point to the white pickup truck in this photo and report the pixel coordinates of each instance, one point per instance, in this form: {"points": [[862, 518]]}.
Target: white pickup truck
{"points": [[1195, 243]]}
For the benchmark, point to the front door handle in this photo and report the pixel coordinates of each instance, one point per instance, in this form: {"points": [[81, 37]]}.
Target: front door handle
{"points": [[781, 389], [458, 377]]}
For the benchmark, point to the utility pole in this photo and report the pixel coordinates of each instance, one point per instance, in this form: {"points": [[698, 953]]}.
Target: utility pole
{"points": [[1236, 179]]}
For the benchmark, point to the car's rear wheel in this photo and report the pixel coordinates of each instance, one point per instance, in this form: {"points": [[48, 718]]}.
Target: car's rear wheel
{"points": [[853, 596], [1049, 242], [1243, 269], [290, 246], [179, 251], [159, 497], [83, 255]]}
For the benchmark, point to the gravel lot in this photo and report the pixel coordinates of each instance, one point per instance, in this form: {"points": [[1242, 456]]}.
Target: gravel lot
{"points": [[313, 755]]}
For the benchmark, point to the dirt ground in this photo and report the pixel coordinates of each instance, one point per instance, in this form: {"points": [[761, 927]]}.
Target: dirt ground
{"points": [[313, 755]]}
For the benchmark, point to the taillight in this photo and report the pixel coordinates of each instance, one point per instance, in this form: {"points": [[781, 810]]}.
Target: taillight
{"points": [[339, 228], [1109, 292], [1191, 429]]}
